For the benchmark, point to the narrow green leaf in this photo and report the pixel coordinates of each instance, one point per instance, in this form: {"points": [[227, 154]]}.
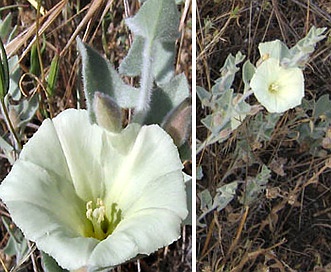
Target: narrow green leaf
{"points": [[4, 71], [34, 61], [5, 26], [14, 77], [52, 76], [2, 82]]}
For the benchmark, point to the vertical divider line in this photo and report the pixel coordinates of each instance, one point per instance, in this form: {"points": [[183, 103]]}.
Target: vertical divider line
{"points": [[194, 103]]}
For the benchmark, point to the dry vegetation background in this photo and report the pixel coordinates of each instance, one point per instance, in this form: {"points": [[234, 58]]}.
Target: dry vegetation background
{"points": [[101, 24], [290, 230]]}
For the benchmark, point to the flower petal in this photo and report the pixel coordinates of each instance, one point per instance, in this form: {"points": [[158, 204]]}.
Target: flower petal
{"points": [[152, 155], [142, 233], [82, 144], [46, 208], [166, 192], [290, 84], [151, 229], [44, 150], [116, 249]]}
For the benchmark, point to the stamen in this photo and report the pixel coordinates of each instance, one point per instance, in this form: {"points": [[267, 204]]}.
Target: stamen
{"points": [[273, 87], [102, 225]]}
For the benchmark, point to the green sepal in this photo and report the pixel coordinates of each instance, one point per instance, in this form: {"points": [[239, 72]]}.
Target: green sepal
{"points": [[108, 113], [178, 122]]}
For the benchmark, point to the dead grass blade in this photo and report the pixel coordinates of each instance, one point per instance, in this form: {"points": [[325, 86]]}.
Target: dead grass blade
{"points": [[44, 22]]}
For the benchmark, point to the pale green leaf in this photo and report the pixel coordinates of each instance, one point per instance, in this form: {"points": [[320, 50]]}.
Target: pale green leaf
{"points": [[204, 96], [248, 71], [163, 62], [255, 186], [100, 76], [223, 197], [166, 98], [22, 109], [49, 264], [5, 26], [206, 200], [200, 174], [8, 150], [305, 47], [322, 106], [228, 72], [156, 20], [17, 245]]}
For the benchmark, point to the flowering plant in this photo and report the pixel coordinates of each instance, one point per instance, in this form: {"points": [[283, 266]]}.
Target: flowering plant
{"points": [[91, 192], [276, 81], [96, 199]]}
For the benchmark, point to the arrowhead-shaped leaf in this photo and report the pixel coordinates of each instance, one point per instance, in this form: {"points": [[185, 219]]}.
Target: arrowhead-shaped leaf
{"points": [[163, 63], [100, 76], [166, 98], [156, 20]]}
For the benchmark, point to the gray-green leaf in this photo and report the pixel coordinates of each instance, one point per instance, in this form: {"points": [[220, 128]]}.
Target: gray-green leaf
{"points": [[167, 97], [100, 76], [163, 62], [156, 20]]}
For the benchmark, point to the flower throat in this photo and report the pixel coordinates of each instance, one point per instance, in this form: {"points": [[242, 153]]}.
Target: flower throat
{"points": [[103, 219]]}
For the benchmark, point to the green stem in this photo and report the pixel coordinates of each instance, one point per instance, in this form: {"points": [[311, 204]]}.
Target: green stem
{"points": [[146, 82], [10, 124]]}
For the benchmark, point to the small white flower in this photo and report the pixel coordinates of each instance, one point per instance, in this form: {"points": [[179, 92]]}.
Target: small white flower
{"points": [[95, 199], [276, 88]]}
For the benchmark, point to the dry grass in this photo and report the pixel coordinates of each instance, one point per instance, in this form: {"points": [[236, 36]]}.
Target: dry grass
{"points": [[288, 229], [100, 23]]}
